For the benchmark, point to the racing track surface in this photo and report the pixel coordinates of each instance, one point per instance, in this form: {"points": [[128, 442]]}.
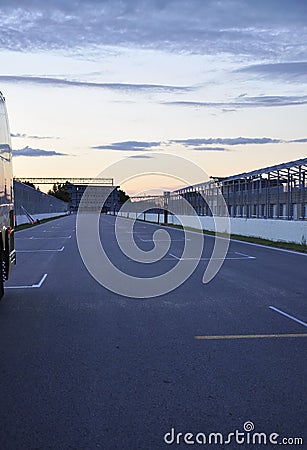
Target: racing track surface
{"points": [[84, 368]]}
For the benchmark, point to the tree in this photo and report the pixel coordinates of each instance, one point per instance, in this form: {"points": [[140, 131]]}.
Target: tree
{"points": [[60, 191], [123, 197], [28, 183]]}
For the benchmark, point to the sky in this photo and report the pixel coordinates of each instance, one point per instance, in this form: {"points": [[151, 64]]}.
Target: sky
{"points": [[88, 83]]}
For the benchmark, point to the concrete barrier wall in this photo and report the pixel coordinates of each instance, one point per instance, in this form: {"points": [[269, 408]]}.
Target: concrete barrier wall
{"points": [[272, 229], [38, 204], [20, 219]]}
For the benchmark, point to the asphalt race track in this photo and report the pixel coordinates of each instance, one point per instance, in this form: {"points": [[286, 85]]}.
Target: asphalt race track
{"points": [[84, 368]]}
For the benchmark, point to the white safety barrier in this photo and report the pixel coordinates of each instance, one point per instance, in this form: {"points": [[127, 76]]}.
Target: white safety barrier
{"points": [[271, 229]]}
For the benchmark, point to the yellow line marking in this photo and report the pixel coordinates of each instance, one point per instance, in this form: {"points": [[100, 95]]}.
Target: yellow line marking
{"points": [[251, 336]]}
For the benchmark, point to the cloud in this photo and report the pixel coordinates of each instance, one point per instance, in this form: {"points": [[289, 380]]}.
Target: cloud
{"points": [[226, 141], [271, 101], [27, 136], [265, 29], [141, 156], [58, 82], [302, 140], [211, 149], [244, 101], [215, 144], [288, 71], [35, 152], [128, 146]]}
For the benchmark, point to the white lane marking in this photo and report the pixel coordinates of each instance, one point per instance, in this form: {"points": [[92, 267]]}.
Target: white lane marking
{"points": [[41, 281], [246, 256], [164, 240], [34, 251], [48, 231], [45, 238], [131, 232], [264, 246], [33, 286], [288, 315], [208, 259], [147, 261]]}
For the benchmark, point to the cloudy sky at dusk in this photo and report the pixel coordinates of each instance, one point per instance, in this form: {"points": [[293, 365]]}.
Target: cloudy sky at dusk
{"points": [[87, 83]]}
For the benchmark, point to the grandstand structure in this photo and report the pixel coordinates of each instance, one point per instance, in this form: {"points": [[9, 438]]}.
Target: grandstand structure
{"points": [[275, 192]]}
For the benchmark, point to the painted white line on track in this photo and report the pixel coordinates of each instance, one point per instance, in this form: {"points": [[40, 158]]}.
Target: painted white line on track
{"points": [[43, 238], [174, 256], [164, 240], [246, 256], [251, 336], [35, 251], [288, 315], [208, 259], [49, 231], [149, 261], [32, 286]]}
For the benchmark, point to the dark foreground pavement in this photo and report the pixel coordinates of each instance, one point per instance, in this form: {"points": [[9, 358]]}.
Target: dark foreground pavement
{"points": [[84, 368]]}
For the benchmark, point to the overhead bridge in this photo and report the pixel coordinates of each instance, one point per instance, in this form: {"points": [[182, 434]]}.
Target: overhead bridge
{"points": [[82, 181]]}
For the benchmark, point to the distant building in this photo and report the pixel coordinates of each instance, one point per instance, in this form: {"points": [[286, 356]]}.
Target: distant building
{"points": [[94, 195]]}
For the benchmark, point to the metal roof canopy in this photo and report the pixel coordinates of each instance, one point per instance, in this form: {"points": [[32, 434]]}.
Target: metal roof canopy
{"points": [[292, 167], [82, 181]]}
